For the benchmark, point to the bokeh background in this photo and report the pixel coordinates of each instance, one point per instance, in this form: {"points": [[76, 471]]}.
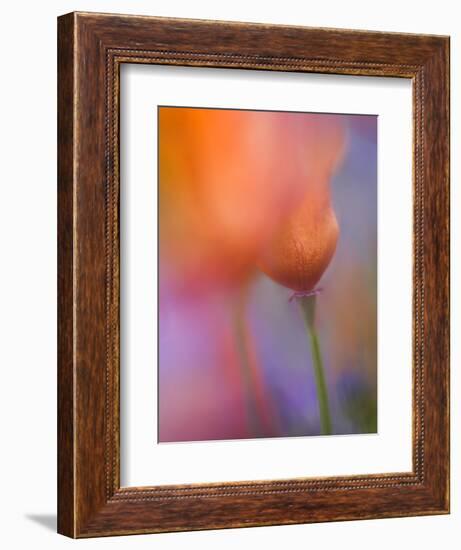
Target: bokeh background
{"points": [[206, 392]]}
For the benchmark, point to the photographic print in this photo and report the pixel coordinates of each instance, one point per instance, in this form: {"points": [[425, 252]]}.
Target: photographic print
{"points": [[267, 260]]}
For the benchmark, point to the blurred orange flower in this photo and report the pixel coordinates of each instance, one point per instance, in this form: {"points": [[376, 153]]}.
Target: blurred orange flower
{"points": [[241, 188]]}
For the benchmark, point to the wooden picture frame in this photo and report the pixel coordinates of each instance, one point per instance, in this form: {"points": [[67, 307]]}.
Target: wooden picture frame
{"points": [[91, 49]]}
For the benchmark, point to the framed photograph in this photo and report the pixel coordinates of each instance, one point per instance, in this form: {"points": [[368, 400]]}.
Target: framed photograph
{"points": [[253, 313]]}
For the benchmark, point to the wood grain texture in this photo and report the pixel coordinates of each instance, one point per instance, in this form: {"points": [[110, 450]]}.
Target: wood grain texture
{"points": [[66, 471], [91, 49]]}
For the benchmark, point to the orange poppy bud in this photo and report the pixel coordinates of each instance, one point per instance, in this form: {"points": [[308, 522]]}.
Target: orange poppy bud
{"points": [[303, 245], [302, 248]]}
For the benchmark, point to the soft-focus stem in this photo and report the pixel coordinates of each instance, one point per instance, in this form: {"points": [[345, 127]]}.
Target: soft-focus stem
{"points": [[242, 348], [307, 305]]}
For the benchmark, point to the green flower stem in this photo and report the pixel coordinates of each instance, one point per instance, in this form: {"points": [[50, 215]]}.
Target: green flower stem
{"points": [[307, 305]]}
